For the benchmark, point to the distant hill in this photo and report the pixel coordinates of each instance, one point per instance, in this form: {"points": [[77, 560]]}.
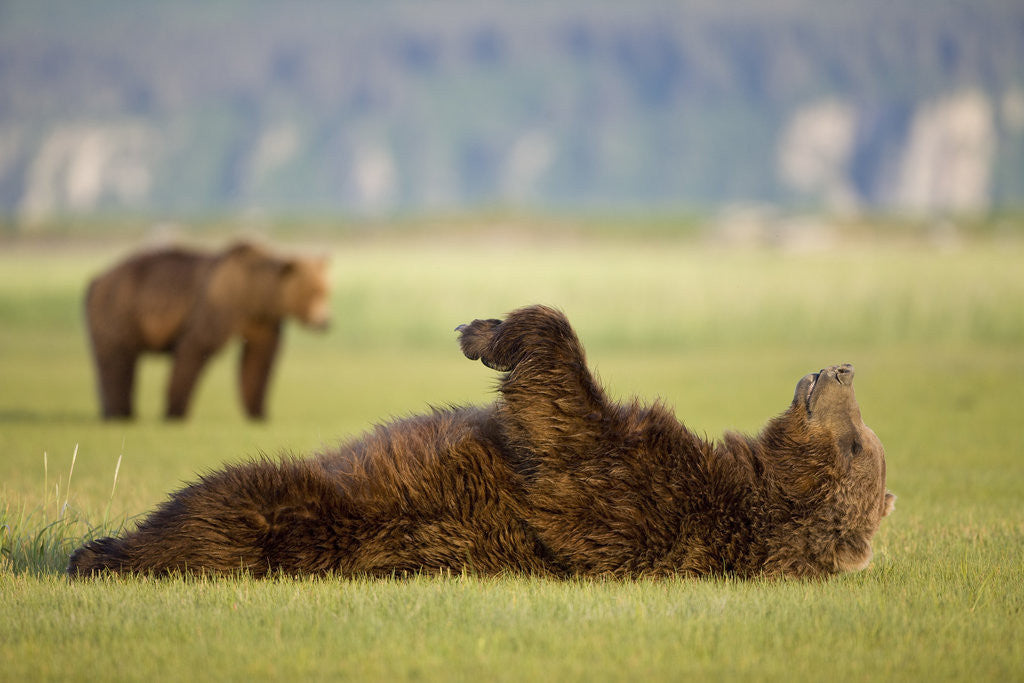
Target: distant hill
{"points": [[222, 105]]}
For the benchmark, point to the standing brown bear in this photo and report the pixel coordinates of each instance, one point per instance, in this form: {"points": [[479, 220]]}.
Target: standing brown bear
{"points": [[552, 479], [188, 304]]}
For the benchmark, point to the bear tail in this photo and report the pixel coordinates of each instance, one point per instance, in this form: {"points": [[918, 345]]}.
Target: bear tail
{"points": [[103, 554]]}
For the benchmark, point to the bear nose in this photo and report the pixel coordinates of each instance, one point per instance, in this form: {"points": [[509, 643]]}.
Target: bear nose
{"points": [[844, 374]]}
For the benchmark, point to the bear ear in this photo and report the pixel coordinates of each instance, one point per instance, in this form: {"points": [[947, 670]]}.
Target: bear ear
{"points": [[241, 248], [889, 505]]}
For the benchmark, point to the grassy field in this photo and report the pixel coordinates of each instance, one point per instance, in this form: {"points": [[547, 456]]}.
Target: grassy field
{"points": [[723, 335]]}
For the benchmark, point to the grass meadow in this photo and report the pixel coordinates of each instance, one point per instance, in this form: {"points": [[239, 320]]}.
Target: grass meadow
{"points": [[722, 334]]}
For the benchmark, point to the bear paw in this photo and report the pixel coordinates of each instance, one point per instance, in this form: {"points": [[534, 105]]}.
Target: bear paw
{"points": [[476, 340]]}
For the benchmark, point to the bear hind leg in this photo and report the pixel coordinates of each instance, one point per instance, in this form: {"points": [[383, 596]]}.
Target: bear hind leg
{"points": [[257, 517], [188, 365], [103, 554], [184, 534]]}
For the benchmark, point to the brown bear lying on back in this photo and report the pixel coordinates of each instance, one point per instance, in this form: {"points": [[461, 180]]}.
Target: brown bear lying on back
{"points": [[189, 304], [552, 479]]}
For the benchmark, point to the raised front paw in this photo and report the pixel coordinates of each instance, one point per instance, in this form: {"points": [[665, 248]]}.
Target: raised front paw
{"points": [[539, 333], [477, 342]]}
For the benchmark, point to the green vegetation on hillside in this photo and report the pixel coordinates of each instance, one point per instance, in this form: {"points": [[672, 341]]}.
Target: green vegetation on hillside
{"points": [[390, 105]]}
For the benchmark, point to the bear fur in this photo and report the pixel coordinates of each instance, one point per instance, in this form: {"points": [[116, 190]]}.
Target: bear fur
{"points": [[552, 479], [189, 304]]}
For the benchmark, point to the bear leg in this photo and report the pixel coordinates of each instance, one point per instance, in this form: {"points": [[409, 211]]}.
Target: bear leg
{"points": [[259, 348], [552, 399], [256, 517], [103, 554], [116, 375], [189, 362]]}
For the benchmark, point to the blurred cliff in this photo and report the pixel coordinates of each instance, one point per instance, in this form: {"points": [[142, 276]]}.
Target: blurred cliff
{"points": [[221, 105]]}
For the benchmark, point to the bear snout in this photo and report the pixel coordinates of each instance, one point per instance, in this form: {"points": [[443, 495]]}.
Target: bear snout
{"points": [[318, 316]]}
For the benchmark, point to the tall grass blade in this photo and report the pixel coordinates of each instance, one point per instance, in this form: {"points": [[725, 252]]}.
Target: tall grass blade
{"points": [[38, 541]]}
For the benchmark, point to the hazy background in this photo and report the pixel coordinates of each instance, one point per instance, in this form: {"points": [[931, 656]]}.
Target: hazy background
{"points": [[191, 107]]}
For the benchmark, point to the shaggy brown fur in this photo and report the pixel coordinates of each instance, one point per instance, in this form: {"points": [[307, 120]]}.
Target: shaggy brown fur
{"points": [[551, 479], [189, 304]]}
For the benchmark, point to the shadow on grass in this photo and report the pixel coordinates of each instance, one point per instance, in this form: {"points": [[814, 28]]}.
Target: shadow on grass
{"points": [[22, 416]]}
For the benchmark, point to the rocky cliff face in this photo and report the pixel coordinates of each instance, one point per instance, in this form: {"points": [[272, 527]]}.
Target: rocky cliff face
{"points": [[944, 160], [84, 167], [188, 106]]}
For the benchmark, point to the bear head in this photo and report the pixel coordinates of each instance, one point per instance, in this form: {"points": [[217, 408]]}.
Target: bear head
{"points": [[825, 463], [304, 291], [266, 285]]}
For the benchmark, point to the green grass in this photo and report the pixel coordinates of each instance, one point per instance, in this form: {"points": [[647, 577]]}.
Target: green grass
{"points": [[722, 335]]}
